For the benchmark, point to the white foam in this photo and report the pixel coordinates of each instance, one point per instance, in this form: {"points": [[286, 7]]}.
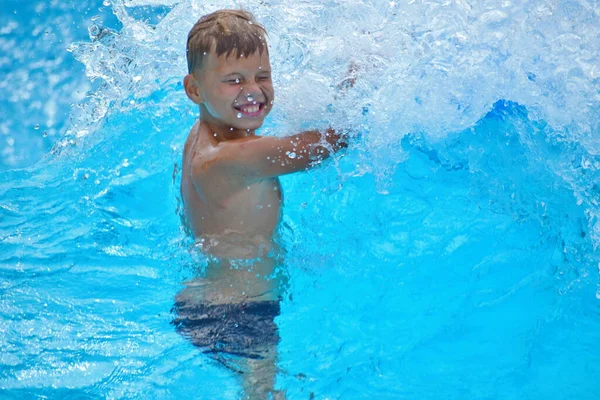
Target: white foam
{"points": [[434, 67]]}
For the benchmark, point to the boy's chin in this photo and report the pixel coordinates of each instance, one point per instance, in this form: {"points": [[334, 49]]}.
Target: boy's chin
{"points": [[249, 125]]}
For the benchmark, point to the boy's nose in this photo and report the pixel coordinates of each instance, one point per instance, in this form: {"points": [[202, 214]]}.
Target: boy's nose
{"points": [[252, 89]]}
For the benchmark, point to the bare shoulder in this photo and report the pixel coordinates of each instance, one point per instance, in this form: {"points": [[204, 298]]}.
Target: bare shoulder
{"points": [[197, 146], [204, 154], [191, 138]]}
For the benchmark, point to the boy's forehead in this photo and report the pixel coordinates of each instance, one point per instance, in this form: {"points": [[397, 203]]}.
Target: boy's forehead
{"points": [[234, 61]]}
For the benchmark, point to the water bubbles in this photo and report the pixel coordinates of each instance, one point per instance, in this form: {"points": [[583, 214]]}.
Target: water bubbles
{"points": [[237, 80], [239, 115], [231, 129], [36, 127], [250, 98], [272, 101], [94, 31], [290, 154], [215, 134], [106, 3], [45, 134], [95, 18]]}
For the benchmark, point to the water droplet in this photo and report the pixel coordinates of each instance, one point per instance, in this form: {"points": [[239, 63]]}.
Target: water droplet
{"points": [[255, 102], [94, 31], [249, 98], [260, 67], [95, 18], [106, 3], [250, 22], [272, 101], [260, 207], [231, 129], [215, 134], [36, 127], [204, 53], [45, 134], [237, 80], [291, 154], [239, 115]]}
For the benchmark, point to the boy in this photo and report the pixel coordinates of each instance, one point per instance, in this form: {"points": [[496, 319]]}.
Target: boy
{"points": [[232, 196]]}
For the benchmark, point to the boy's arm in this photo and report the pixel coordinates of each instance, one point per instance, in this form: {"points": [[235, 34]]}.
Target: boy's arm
{"points": [[259, 157]]}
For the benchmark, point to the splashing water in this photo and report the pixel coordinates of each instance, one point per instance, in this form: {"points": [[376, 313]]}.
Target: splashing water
{"points": [[469, 194], [426, 67]]}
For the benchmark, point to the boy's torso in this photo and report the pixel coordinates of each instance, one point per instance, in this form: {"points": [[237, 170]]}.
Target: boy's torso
{"points": [[232, 217]]}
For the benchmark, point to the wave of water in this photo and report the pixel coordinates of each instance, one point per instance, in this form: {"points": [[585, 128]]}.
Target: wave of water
{"points": [[426, 67]]}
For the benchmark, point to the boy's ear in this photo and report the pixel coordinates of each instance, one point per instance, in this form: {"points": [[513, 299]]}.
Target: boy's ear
{"points": [[192, 89]]}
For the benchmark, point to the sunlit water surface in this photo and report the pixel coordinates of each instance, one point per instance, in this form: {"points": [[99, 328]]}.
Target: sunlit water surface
{"points": [[450, 253]]}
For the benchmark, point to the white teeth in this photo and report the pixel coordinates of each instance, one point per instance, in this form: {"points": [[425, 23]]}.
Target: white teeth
{"points": [[251, 109]]}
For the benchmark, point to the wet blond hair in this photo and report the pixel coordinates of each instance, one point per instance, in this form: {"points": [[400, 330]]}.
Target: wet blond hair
{"points": [[229, 32]]}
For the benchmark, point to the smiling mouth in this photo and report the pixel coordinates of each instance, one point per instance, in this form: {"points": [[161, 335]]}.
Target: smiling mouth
{"points": [[251, 110]]}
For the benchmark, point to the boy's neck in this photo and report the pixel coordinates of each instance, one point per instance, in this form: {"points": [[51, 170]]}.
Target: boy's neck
{"points": [[221, 132]]}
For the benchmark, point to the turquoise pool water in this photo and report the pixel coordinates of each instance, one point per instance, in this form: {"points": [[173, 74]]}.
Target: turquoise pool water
{"points": [[451, 253]]}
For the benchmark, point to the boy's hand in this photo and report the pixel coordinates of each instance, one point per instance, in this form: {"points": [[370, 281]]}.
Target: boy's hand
{"points": [[330, 141], [336, 139]]}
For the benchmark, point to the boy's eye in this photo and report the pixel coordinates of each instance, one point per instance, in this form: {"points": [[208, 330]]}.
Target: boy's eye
{"points": [[234, 81], [264, 78]]}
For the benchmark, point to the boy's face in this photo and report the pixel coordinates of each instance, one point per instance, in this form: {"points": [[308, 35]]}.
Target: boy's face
{"points": [[236, 92]]}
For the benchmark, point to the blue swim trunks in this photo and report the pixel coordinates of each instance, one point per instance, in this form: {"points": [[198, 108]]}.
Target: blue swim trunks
{"points": [[245, 329]]}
